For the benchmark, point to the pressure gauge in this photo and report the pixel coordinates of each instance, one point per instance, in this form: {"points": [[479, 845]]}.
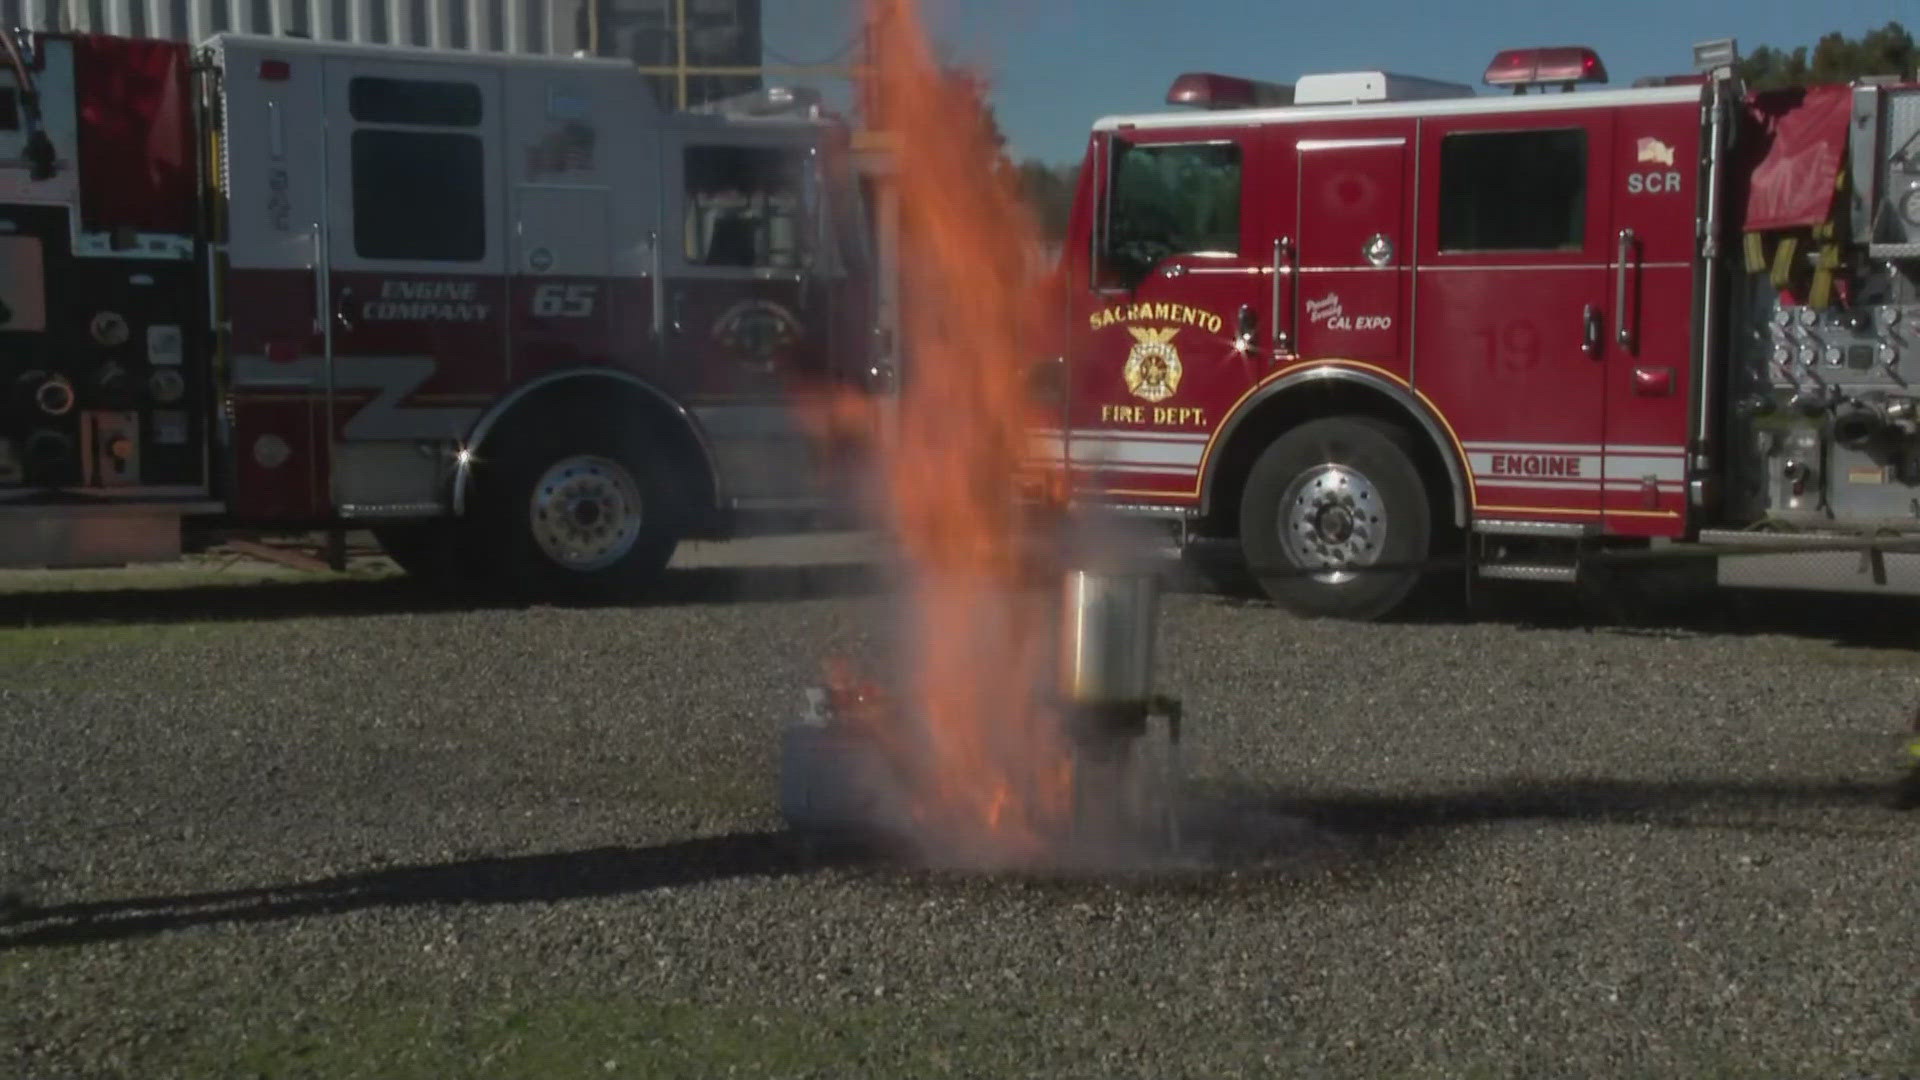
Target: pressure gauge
{"points": [[1834, 356], [1782, 316], [1808, 316], [1910, 206]]}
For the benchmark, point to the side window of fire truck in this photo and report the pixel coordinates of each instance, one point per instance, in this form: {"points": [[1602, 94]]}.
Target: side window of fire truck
{"points": [[419, 194], [746, 207], [1513, 191], [1181, 199]]}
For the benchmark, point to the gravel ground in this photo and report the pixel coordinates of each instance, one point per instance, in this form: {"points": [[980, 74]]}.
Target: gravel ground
{"points": [[334, 830]]}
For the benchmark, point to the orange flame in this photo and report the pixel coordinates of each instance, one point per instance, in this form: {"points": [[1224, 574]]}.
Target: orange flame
{"points": [[990, 772]]}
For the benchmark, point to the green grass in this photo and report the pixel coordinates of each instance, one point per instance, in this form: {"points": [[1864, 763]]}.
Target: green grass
{"points": [[1859, 656], [190, 573], [29, 643], [85, 613], [584, 1037], [1028, 1033]]}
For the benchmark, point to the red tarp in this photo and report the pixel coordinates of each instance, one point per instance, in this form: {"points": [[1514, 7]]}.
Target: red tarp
{"points": [[1794, 142], [136, 135]]}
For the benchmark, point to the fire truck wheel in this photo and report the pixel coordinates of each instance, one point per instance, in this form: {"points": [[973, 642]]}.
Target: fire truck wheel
{"points": [[582, 513], [1335, 496]]}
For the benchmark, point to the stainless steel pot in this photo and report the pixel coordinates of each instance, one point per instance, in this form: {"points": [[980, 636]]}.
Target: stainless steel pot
{"points": [[1107, 624]]}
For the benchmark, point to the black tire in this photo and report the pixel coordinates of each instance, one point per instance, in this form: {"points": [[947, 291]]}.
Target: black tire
{"points": [[515, 539], [1377, 488]]}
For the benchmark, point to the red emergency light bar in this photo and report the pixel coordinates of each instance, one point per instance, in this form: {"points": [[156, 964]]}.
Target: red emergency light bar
{"points": [[1565, 64], [1205, 90]]}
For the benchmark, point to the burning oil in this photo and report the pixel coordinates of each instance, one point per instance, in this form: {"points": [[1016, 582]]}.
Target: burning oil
{"points": [[972, 739]]}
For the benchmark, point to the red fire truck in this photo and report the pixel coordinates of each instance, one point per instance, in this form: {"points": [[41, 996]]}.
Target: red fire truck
{"points": [[1369, 324], [507, 312]]}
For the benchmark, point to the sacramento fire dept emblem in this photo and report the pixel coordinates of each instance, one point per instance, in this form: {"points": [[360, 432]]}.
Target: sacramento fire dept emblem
{"points": [[1153, 367]]}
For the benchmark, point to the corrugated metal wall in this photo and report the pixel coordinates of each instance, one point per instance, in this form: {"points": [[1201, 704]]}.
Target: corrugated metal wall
{"points": [[517, 26]]}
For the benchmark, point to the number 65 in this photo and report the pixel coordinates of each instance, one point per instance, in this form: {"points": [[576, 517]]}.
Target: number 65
{"points": [[564, 301]]}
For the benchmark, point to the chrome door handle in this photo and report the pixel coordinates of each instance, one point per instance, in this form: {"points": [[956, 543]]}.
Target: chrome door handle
{"points": [[1282, 320], [1624, 331], [659, 284], [1590, 339], [319, 281]]}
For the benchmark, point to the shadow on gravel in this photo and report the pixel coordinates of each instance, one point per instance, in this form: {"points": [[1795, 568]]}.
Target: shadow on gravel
{"points": [[1240, 840], [575, 875], [1250, 842], [1613, 606], [1745, 806], [399, 595]]}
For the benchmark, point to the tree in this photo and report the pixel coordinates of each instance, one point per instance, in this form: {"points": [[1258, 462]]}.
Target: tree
{"points": [[1049, 189], [1836, 58]]}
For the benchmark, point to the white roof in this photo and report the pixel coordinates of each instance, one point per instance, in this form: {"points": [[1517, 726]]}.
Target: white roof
{"points": [[1468, 106], [294, 46]]}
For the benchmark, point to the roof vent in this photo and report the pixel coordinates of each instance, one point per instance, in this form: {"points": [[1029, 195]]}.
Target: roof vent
{"points": [[1359, 87]]}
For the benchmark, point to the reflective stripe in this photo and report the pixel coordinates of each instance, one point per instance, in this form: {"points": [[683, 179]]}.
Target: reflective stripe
{"points": [[392, 379], [1137, 452], [1168, 452], [1536, 448], [1124, 434], [1577, 485], [1639, 466]]}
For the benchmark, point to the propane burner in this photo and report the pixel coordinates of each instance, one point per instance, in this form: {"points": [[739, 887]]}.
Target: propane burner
{"points": [[1104, 789]]}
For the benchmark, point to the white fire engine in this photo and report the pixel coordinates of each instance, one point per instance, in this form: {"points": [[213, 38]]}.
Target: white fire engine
{"points": [[1367, 323], [505, 311]]}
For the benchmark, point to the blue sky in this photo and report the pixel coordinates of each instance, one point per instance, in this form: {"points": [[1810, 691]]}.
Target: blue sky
{"points": [[1060, 64]]}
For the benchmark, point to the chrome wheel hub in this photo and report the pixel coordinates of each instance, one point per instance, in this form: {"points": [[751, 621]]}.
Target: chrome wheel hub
{"points": [[1332, 516], [585, 512]]}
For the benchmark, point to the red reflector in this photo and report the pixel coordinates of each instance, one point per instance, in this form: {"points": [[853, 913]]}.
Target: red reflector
{"points": [[1653, 381], [274, 70]]}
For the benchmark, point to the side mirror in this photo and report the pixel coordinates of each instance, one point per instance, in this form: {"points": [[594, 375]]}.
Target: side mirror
{"points": [[40, 155]]}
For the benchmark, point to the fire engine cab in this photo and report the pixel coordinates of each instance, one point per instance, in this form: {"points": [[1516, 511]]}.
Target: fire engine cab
{"points": [[508, 312], [1369, 324]]}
